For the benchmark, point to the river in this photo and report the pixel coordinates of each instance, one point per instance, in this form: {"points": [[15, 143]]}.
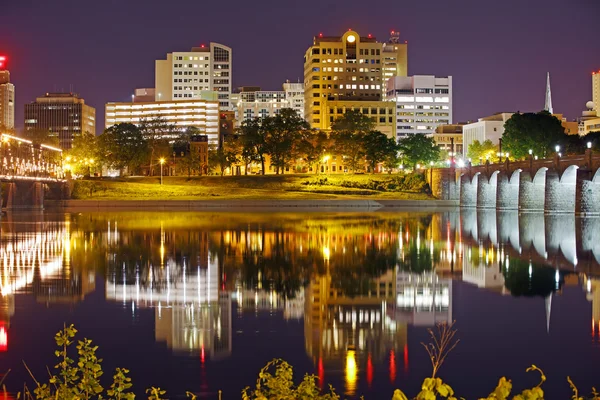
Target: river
{"points": [[200, 301]]}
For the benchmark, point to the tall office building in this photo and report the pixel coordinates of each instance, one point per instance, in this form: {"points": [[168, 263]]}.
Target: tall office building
{"points": [[7, 100], [62, 115], [423, 102], [348, 70], [184, 75], [596, 90]]}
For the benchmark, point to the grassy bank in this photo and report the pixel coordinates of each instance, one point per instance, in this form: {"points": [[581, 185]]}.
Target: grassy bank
{"points": [[254, 187]]}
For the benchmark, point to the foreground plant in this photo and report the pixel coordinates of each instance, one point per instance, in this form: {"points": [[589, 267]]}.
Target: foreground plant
{"points": [[281, 385], [80, 380]]}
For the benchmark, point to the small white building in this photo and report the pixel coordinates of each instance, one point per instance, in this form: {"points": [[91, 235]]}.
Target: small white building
{"points": [[423, 102], [252, 103], [487, 128]]}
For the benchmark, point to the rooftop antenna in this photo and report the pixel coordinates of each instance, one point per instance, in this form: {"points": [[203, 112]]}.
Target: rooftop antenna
{"points": [[394, 37]]}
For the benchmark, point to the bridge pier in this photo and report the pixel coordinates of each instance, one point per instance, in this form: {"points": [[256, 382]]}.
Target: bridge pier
{"points": [[532, 190], [587, 191], [508, 191], [25, 195], [468, 190], [487, 190], [560, 190]]}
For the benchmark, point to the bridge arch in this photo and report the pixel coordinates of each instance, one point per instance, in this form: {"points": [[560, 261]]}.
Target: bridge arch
{"points": [[532, 190]]}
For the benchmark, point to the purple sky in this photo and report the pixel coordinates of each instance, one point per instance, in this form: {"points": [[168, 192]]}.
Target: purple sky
{"points": [[498, 52]]}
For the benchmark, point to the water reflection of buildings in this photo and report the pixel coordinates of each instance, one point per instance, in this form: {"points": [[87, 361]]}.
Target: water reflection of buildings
{"points": [[190, 312]]}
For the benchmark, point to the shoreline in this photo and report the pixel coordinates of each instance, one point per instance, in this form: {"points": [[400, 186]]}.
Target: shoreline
{"points": [[352, 205]]}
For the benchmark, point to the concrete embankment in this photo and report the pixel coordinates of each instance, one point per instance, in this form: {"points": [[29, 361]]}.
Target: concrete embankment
{"points": [[350, 205]]}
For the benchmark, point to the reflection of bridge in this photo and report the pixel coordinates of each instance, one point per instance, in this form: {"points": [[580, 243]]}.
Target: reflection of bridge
{"points": [[562, 241], [28, 169], [568, 184]]}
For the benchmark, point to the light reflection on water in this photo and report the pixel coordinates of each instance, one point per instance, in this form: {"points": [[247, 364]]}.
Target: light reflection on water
{"points": [[359, 284]]}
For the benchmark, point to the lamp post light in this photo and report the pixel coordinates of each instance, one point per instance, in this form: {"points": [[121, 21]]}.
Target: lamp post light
{"points": [[589, 145], [530, 152], [557, 148], [162, 161]]}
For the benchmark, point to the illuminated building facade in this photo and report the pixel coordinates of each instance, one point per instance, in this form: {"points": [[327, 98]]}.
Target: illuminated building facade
{"points": [[185, 75], [7, 99], [596, 90], [62, 115], [383, 113], [449, 138], [488, 128], [255, 103], [423, 102], [202, 113], [348, 67]]}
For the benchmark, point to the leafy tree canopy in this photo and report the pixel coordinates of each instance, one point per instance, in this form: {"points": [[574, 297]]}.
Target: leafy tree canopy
{"points": [[540, 132], [418, 149]]}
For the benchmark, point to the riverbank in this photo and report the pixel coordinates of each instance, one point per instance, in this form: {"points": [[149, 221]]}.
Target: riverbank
{"points": [[270, 187]]}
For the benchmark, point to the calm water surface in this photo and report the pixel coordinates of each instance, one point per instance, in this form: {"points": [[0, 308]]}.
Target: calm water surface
{"points": [[201, 301]]}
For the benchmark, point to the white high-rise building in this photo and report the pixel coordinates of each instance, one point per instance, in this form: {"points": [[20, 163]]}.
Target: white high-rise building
{"points": [[423, 102], [7, 101], [184, 75], [252, 103]]}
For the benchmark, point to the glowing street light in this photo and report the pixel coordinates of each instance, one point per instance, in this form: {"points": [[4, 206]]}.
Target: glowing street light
{"points": [[530, 152], [557, 148], [162, 161], [589, 145]]}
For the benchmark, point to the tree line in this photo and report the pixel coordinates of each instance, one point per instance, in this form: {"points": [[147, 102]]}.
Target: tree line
{"points": [[289, 143]]}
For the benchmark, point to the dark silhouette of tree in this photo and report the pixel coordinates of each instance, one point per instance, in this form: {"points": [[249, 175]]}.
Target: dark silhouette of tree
{"points": [[540, 132]]}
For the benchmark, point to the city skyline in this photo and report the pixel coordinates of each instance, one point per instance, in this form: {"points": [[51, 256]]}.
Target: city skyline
{"points": [[485, 65]]}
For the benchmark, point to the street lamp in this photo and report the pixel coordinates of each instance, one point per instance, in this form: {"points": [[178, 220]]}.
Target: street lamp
{"points": [[162, 161], [557, 148], [530, 152], [589, 145]]}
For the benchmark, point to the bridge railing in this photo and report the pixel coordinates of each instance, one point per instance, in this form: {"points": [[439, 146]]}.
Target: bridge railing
{"points": [[21, 159]]}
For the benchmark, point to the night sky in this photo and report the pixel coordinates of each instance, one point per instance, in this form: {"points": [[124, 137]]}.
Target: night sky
{"points": [[498, 52]]}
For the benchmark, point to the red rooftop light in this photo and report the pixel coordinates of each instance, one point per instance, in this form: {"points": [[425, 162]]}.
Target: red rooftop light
{"points": [[320, 34], [393, 32], [370, 35], [202, 45]]}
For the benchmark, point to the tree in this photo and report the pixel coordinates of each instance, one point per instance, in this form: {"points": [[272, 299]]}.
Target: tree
{"points": [[379, 148], [482, 151], [253, 140], [418, 149], [348, 133], [282, 131], [221, 158], [122, 146], [311, 147], [83, 155], [539, 132], [354, 121], [157, 133]]}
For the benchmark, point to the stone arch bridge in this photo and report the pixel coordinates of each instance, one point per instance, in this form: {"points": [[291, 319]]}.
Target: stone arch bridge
{"points": [[569, 184]]}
